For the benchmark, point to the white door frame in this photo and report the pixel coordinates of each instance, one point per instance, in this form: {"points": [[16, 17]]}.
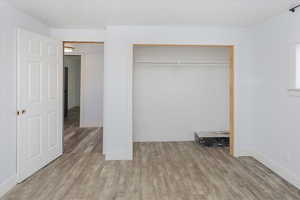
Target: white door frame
{"points": [[83, 79]]}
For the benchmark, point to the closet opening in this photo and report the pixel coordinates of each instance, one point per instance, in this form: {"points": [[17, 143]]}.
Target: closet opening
{"points": [[180, 90]]}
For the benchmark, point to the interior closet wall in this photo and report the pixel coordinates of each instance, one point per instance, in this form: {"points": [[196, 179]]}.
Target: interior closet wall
{"points": [[73, 65], [171, 101]]}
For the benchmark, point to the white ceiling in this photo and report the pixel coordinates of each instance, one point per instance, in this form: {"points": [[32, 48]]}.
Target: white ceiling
{"points": [[100, 13]]}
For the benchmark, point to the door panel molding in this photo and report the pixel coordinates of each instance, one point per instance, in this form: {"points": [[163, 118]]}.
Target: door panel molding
{"points": [[39, 95]]}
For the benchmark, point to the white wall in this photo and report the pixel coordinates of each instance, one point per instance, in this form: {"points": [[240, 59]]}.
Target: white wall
{"points": [[118, 78], [94, 86], [276, 124], [171, 102], [73, 64], [10, 19]]}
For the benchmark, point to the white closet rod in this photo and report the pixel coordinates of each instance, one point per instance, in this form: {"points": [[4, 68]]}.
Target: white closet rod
{"points": [[160, 63], [189, 63], [220, 62]]}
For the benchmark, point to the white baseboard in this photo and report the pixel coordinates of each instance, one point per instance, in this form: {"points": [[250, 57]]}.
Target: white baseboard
{"points": [[90, 126], [8, 185], [163, 139], [240, 153], [276, 167], [87, 125], [118, 156]]}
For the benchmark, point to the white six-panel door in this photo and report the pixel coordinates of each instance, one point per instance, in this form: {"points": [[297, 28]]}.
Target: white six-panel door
{"points": [[40, 73]]}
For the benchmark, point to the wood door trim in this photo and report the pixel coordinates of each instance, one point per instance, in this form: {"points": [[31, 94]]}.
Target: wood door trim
{"points": [[232, 100], [82, 42]]}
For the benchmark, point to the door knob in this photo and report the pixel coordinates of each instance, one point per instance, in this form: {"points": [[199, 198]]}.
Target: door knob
{"points": [[23, 111]]}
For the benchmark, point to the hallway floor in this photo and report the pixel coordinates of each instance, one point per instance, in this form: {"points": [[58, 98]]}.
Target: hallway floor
{"points": [[80, 140]]}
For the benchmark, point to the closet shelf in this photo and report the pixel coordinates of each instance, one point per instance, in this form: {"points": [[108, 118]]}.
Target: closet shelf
{"points": [[181, 62]]}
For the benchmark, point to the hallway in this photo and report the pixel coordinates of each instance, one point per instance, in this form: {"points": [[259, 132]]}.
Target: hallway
{"points": [[80, 140]]}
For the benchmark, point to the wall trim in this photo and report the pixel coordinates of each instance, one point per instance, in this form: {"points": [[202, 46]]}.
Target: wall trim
{"points": [[189, 139], [8, 185], [118, 156], [275, 166], [91, 126]]}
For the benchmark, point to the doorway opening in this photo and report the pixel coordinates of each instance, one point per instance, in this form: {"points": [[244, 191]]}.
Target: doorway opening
{"points": [[180, 90], [83, 96], [72, 69]]}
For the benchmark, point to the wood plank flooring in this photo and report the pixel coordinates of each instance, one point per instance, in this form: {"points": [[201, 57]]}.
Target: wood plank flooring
{"points": [[159, 171], [80, 140]]}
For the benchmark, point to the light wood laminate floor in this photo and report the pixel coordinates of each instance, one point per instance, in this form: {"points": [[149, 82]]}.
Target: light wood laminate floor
{"points": [[80, 140], [159, 171]]}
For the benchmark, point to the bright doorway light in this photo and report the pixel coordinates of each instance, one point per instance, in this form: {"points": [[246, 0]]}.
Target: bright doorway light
{"points": [[68, 49]]}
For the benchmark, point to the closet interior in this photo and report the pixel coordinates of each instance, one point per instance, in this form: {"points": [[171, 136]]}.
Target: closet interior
{"points": [[180, 90]]}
